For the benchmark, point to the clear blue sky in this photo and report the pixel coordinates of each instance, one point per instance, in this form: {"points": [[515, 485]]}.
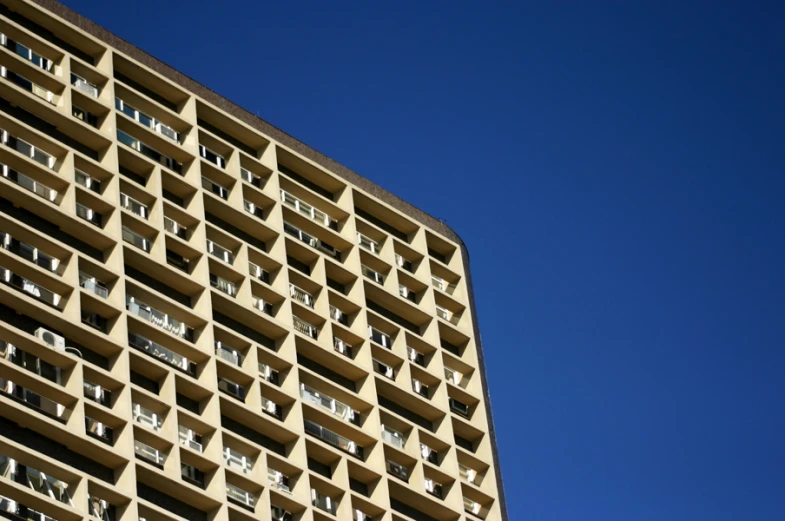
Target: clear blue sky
{"points": [[627, 234]]}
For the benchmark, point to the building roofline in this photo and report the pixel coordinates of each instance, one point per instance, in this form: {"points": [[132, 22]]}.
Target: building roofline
{"points": [[263, 126]]}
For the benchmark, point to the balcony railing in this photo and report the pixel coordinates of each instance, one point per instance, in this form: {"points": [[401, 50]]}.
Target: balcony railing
{"points": [[334, 439], [137, 240], [89, 215], [232, 388], [323, 502], [175, 228], [213, 157], [189, 438], [22, 284], [97, 393], [35, 479], [84, 86], [308, 210], [26, 53], [134, 206], [86, 180], [149, 454], [34, 400], [100, 508], [446, 314], [241, 496], [311, 241], [278, 481], [380, 338], [32, 363], [28, 252], [442, 285], [250, 177], [339, 316], [20, 511], [329, 404], [28, 85], [213, 187], [28, 183], [397, 470], [223, 285], [160, 352], [259, 273], [98, 430], [342, 347], [158, 318], [146, 417], [301, 296], [304, 327], [216, 250], [372, 274], [227, 353], [149, 151], [26, 149], [147, 121], [237, 460], [367, 243], [393, 437]]}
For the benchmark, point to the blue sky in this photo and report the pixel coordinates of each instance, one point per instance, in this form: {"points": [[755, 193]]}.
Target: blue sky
{"points": [[618, 173]]}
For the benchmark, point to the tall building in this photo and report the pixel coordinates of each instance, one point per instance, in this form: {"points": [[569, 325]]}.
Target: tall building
{"points": [[202, 318]]}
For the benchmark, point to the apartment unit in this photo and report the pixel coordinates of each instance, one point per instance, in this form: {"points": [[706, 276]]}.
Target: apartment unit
{"points": [[201, 318]]}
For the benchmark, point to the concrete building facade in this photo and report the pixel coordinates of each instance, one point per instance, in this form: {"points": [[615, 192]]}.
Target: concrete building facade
{"points": [[202, 318]]}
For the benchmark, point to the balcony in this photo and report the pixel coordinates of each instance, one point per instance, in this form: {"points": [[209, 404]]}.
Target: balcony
{"points": [[25, 286], [415, 356], [97, 393], [192, 475], [402, 262], [397, 470], [367, 243], [261, 305], [249, 177], [235, 493], [33, 400], [189, 438], [175, 228], [177, 260], [259, 273], [149, 152], [218, 251], [433, 488], [84, 86], [380, 338], [26, 149], [253, 209], [359, 515], [301, 296], [334, 439], [89, 182], [466, 473], [279, 514], [134, 206], [149, 454], [27, 361], [446, 314], [442, 285], [313, 242], [158, 318], [329, 404], [237, 461], [420, 388], [428, 454], [268, 373], [323, 502], [28, 85], [342, 347], [278, 481], [459, 408], [304, 327], [98, 430], [160, 352], [228, 354], [232, 388], [339, 316], [146, 417], [383, 369], [147, 121], [32, 478], [453, 376], [100, 508], [471, 506], [89, 215], [28, 252], [307, 210], [372, 274], [271, 408], [19, 511], [28, 183], [26, 53], [223, 285], [215, 188], [212, 157], [393, 437], [131, 237], [407, 293]]}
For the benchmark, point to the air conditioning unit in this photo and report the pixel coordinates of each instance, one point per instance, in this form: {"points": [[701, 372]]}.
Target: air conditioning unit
{"points": [[51, 339], [166, 131]]}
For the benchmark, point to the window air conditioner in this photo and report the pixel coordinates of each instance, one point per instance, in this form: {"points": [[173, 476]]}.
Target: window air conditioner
{"points": [[50, 339]]}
